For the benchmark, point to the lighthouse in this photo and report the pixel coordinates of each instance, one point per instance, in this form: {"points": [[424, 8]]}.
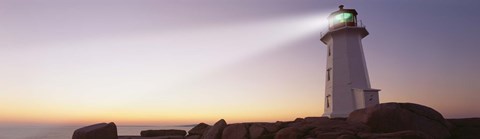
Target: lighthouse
{"points": [[347, 85]]}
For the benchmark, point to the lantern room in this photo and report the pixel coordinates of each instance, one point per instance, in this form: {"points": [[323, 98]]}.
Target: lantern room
{"points": [[342, 18]]}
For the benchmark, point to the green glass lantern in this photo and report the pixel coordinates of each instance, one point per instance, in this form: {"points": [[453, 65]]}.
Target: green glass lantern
{"points": [[342, 18]]}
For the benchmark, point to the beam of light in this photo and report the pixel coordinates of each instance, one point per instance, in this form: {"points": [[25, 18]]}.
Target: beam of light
{"points": [[105, 75], [249, 40]]}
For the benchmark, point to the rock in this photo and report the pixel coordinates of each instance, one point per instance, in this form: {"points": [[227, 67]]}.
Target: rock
{"points": [[256, 131], [157, 133], [322, 127], [315, 119], [468, 128], [298, 120], [269, 127], [280, 125], [275, 127], [329, 135], [167, 137], [97, 131], [267, 136], [408, 134], [347, 137], [215, 132], [235, 131], [339, 118], [193, 137], [199, 129], [335, 126], [466, 133], [395, 117], [289, 133], [472, 122], [307, 123], [334, 134], [161, 137]]}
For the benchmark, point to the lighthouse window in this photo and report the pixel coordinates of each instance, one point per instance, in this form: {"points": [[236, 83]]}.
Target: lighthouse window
{"points": [[328, 101], [329, 51], [341, 18], [344, 17], [328, 74]]}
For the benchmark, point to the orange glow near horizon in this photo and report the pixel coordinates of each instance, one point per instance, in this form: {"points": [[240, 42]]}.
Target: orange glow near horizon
{"points": [[147, 116]]}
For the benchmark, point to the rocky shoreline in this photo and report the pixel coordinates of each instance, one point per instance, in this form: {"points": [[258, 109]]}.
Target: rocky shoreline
{"points": [[382, 121]]}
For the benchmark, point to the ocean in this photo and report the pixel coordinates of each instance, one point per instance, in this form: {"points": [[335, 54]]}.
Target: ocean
{"points": [[66, 132]]}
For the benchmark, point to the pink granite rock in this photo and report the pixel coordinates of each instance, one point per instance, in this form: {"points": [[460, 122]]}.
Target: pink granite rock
{"points": [[235, 131], [168, 132], [215, 132], [394, 117], [97, 131]]}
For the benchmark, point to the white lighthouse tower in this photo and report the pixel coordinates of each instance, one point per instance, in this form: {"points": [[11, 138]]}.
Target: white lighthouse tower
{"points": [[347, 86]]}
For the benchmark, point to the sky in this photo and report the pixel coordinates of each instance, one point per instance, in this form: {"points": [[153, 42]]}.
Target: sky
{"points": [[165, 62]]}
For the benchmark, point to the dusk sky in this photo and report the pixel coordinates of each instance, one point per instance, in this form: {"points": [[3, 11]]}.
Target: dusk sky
{"points": [[189, 61]]}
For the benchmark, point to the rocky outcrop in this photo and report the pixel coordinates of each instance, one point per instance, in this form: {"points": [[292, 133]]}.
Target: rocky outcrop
{"points": [[97, 131], [320, 127], [160, 137], [407, 134], [193, 137], [236, 131], [199, 129], [256, 131], [215, 132], [159, 133], [395, 117], [382, 121], [290, 133]]}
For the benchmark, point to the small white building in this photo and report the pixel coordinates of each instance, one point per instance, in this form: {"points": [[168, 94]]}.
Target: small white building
{"points": [[347, 86]]}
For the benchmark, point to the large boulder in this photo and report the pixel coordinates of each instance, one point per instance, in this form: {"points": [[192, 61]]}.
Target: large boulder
{"points": [[466, 122], [326, 128], [347, 137], [199, 129], [97, 131], [395, 117], [236, 131], [159, 137], [290, 133], [193, 137], [271, 127], [158, 133], [256, 131], [407, 134], [215, 132], [330, 135]]}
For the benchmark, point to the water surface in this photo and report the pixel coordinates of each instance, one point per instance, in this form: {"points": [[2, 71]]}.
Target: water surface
{"points": [[66, 132]]}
